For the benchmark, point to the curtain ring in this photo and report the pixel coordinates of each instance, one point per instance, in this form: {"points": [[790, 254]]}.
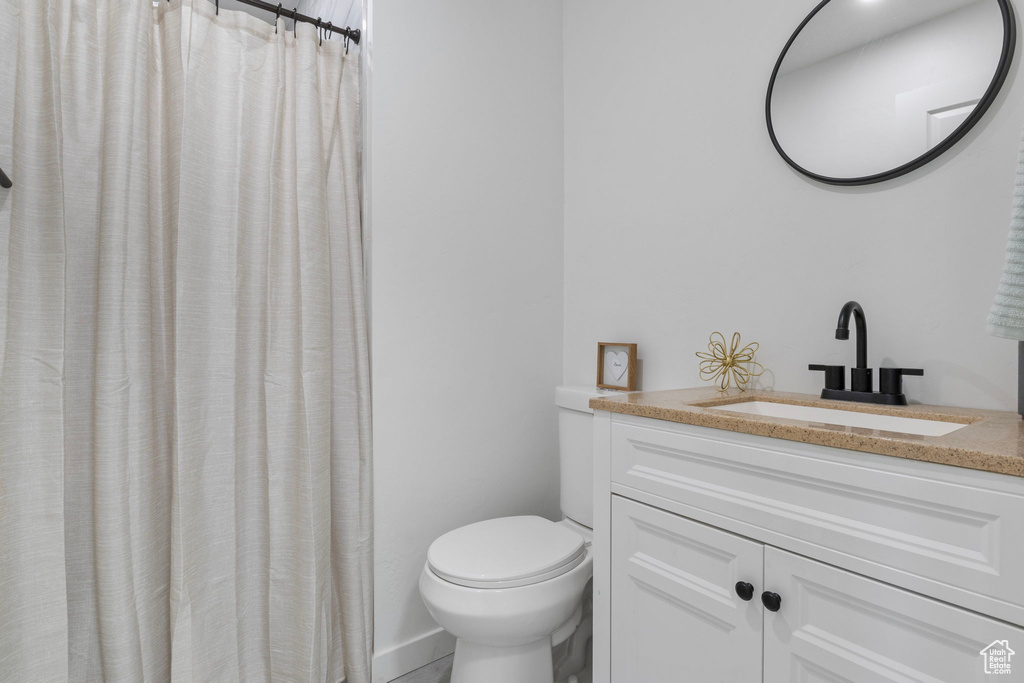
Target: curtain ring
{"points": [[329, 30], [218, 7], [277, 16], [318, 31]]}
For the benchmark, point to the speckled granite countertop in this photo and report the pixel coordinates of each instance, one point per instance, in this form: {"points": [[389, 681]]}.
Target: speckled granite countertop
{"points": [[992, 441]]}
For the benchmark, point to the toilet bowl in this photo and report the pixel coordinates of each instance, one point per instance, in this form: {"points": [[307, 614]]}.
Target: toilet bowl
{"points": [[508, 589], [511, 588]]}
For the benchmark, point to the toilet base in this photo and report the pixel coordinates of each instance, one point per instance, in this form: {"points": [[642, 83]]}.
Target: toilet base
{"points": [[530, 663]]}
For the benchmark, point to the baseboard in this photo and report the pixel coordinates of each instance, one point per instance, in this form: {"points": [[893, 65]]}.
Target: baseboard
{"points": [[411, 655]]}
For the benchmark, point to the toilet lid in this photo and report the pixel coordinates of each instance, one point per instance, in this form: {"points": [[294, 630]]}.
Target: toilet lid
{"points": [[506, 552]]}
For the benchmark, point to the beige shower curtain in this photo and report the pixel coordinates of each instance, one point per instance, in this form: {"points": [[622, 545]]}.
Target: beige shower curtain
{"points": [[184, 419]]}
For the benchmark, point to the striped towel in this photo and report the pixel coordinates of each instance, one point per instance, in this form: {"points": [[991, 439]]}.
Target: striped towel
{"points": [[1006, 319]]}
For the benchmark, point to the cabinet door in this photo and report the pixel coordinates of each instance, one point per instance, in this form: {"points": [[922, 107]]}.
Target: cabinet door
{"points": [[837, 626], [676, 616]]}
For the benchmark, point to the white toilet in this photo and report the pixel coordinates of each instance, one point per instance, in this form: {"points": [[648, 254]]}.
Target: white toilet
{"points": [[509, 589]]}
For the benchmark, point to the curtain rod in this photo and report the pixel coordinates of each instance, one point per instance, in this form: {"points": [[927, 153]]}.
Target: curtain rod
{"points": [[352, 34]]}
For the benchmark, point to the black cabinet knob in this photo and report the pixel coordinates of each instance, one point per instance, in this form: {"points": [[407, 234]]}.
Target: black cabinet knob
{"points": [[744, 590], [771, 601]]}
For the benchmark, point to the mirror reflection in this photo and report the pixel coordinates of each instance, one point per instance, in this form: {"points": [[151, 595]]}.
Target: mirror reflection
{"points": [[870, 89]]}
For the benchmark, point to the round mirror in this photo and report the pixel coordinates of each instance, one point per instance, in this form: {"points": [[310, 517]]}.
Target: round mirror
{"points": [[867, 90]]}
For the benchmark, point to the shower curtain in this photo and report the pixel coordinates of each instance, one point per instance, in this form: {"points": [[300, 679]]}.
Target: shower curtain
{"points": [[185, 488]]}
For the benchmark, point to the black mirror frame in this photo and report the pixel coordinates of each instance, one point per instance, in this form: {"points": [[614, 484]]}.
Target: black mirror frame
{"points": [[1005, 60]]}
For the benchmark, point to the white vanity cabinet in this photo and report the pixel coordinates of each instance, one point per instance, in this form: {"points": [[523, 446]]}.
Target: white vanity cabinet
{"points": [[674, 608], [887, 569], [676, 615]]}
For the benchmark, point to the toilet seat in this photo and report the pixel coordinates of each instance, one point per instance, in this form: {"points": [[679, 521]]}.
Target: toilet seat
{"points": [[506, 552]]}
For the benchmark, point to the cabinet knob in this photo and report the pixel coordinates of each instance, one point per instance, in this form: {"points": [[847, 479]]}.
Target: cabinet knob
{"points": [[771, 601], [744, 590]]}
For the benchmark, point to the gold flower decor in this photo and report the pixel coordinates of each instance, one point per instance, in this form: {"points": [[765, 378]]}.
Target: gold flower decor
{"points": [[729, 365]]}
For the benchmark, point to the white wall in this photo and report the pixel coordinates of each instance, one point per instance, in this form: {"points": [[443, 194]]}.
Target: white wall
{"points": [[681, 218], [466, 205]]}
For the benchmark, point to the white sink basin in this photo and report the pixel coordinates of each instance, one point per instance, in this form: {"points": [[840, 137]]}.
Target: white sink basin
{"points": [[848, 418]]}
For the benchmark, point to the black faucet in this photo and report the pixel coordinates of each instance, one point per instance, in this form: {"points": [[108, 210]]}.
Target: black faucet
{"points": [[861, 379], [860, 376]]}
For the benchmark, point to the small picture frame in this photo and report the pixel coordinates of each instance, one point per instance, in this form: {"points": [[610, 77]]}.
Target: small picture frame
{"points": [[616, 366]]}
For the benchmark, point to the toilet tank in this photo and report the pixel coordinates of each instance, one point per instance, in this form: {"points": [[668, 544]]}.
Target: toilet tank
{"points": [[576, 452]]}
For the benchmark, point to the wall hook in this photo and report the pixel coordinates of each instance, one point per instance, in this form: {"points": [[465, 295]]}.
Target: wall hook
{"points": [[5, 182]]}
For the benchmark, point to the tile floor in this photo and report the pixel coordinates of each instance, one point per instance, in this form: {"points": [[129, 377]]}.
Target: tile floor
{"points": [[435, 672], [441, 672]]}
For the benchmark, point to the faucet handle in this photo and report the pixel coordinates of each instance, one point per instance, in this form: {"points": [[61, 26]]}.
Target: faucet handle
{"points": [[835, 375], [890, 380]]}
